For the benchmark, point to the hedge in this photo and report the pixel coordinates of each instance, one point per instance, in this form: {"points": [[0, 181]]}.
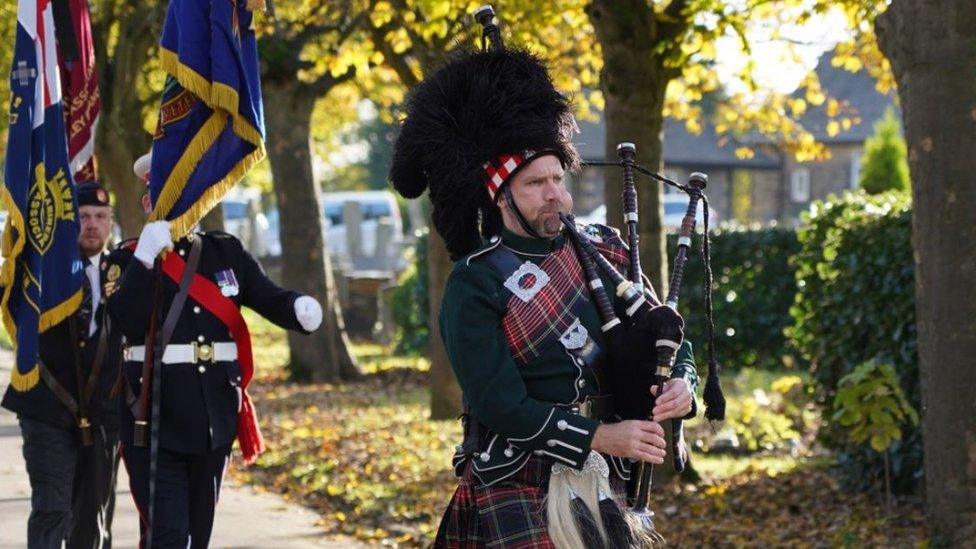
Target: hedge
{"points": [[753, 287], [856, 302]]}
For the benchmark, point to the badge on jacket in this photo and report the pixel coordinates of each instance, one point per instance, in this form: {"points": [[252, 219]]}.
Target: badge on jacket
{"points": [[527, 281], [227, 283]]}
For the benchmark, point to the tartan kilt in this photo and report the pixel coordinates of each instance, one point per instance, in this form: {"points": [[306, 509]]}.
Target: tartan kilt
{"points": [[508, 514]]}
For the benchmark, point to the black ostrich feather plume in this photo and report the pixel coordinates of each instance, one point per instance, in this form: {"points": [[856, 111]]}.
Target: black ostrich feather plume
{"points": [[473, 109]]}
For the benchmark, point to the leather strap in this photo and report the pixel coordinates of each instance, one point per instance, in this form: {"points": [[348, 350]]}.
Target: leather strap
{"points": [[63, 394], [59, 391], [131, 400], [166, 332], [82, 409], [176, 308], [503, 261], [162, 337], [100, 351]]}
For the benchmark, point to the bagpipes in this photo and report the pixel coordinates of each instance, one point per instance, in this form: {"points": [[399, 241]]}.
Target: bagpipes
{"points": [[633, 367]]}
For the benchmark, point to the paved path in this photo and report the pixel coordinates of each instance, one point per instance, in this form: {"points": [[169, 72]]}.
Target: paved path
{"points": [[245, 518]]}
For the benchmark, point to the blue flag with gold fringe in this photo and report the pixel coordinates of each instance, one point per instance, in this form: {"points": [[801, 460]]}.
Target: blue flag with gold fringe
{"points": [[210, 129], [42, 273]]}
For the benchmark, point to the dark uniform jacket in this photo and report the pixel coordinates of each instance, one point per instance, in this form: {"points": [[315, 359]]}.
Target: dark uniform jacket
{"points": [[56, 351], [526, 405], [200, 401]]}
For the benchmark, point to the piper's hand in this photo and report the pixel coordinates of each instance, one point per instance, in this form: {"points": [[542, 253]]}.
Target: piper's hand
{"points": [[634, 439], [154, 239], [675, 402], [308, 312]]}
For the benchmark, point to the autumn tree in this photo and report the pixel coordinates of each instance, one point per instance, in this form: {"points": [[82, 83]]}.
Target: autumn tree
{"points": [[8, 29], [930, 46], [309, 50], [659, 61]]}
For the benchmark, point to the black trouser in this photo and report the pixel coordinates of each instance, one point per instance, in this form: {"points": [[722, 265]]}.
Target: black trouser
{"points": [[72, 486], [187, 487]]}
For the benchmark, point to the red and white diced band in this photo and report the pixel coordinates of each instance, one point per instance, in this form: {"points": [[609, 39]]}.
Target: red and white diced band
{"points": [[498, 171]]}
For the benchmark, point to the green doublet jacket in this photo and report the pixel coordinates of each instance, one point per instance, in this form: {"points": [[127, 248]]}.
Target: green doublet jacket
{"points": [[527, 406]]}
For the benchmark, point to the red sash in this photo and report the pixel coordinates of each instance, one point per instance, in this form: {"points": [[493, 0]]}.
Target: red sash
{"points": [[207, 294]]}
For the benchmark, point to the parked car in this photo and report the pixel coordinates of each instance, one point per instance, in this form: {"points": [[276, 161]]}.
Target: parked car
{"points": [[675, 206]]}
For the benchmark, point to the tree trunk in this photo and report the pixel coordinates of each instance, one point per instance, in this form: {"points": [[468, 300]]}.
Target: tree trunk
{"points": [[445, 393], [120, 137], [325, 355], [930, 45], [633, 81]]}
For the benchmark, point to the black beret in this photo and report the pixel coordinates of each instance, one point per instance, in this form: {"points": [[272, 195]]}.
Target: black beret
{"points": [[91, 193]]}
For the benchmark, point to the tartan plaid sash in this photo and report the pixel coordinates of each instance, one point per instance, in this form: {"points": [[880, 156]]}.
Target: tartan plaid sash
{"points": [[532, 326]]}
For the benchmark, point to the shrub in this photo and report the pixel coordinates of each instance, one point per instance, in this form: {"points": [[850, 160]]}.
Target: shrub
{"points": [[871, 403], [856, 302], [767, 411], [752, 289], [885, 164]]}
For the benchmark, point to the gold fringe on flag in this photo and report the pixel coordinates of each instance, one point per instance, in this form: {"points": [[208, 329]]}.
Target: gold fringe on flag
{"points": [[224, 100]]}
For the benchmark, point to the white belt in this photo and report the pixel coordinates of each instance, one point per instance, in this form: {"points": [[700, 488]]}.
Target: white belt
{"points": [[189, 353]]}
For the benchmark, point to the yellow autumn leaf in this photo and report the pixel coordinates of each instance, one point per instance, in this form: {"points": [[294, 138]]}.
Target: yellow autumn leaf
{"points": [[744, 153], [798, 107], [815, 97], [833, 108]]}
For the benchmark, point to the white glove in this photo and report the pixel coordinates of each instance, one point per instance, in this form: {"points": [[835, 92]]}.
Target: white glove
{"points": [[308, 312], [154, 239]]}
